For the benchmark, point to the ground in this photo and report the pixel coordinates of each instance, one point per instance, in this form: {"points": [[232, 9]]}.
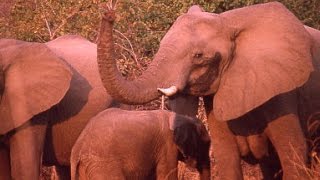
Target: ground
{"points": [[251, 172]]}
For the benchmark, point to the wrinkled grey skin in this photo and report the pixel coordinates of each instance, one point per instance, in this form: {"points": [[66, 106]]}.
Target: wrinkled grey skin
{"points": [[260, 68], [119, 144], [256, 148], [62, 87]]}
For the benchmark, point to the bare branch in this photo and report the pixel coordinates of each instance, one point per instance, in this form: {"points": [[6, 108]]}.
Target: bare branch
{"points": [[45, 19], [40, 38], [133, 54], [52, 34], [49, 4], [162, 102], [48, 27], [64, 21], [112, 4]]}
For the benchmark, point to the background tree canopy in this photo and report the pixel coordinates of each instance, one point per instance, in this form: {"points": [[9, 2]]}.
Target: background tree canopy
{"points": [[140, 23]]}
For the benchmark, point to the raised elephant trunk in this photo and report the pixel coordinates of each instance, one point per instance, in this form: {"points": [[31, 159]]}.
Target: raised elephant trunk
{"points": [[139, 91]]}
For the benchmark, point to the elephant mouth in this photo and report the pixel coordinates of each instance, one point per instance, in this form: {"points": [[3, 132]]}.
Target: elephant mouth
{"points": [[198, 90], [168, 91], [198, 85], [202, 85]]}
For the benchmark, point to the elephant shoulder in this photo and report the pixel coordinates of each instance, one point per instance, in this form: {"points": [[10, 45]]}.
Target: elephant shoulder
{"points": [[80, 53], [69, 40], [69, 37]]}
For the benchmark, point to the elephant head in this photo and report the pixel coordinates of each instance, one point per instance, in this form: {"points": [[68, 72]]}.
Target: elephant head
{"points": [[32, 80], [193, 142], [244, 57]]}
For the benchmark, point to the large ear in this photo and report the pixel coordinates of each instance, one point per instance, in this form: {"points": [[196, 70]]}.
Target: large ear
{"points": [[35, 80], [270, 58]]}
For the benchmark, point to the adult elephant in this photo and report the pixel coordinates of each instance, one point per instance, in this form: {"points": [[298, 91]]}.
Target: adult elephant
{"points": [[259, 63], [48, 93]]}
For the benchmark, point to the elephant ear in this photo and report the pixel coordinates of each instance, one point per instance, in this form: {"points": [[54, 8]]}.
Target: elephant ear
{"points": [[186, 135], [35, 80], [271, 59]]}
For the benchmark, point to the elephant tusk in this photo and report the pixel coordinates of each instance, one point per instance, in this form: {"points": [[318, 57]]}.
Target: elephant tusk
{"points": [[168, 91]]}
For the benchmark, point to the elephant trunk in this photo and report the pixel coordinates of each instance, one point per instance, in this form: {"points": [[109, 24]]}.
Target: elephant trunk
{"points": [[139, 91]]}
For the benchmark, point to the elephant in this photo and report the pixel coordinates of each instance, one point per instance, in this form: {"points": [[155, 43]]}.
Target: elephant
{"points": [[121, 144], [48, 93], [257, 68]]}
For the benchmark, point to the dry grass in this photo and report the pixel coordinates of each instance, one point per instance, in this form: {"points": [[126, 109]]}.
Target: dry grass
{"points": [[251, 172], [314, 130]]}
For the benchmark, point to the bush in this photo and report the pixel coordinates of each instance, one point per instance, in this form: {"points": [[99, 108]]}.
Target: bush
{"points": [[143, 22]]}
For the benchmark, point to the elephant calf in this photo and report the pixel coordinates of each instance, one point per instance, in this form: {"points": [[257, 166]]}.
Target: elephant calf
{"points": [[120, 144]]}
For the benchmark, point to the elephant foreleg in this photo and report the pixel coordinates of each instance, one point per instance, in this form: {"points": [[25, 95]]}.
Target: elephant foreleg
{"points": [[98, 170], [225, 150], [167, 165], [288, 139], [61, 173], [4, 163], [270, 165], [26, 146]]}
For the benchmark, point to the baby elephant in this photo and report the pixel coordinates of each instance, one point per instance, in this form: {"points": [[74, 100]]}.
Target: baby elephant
{"points": [[120, 144]]}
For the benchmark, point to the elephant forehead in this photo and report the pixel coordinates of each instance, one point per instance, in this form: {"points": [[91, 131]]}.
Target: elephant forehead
{"points": [[176, 35], [190, 28], [192, 20]]}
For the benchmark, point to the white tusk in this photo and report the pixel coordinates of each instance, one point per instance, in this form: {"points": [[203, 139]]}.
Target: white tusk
{"points": [[168, 91]]}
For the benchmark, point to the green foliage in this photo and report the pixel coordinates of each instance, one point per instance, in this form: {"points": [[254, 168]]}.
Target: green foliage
{"points": [[142, 23]]}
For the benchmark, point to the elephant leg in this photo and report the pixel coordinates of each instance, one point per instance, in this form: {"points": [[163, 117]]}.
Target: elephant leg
{"points": [[288, 139], [270, 168], [61, 173], [167, 167], [225, 150], [5, 173], [270, 165], [169, 173], [26, 146], [98, 171]]}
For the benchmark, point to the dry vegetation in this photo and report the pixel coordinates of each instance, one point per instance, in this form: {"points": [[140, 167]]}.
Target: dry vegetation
{"points": [[139, 28]]}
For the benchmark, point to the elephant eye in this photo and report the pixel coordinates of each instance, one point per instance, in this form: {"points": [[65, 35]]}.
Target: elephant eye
{"points": [[198, 55]]}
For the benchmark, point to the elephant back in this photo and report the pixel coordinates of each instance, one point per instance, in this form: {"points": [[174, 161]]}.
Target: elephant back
{"points": [[81, 54]]}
